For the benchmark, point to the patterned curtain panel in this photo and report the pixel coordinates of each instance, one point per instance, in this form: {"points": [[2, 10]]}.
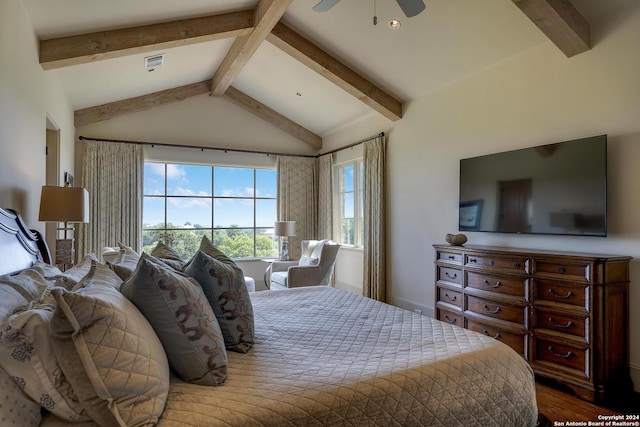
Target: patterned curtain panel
{"points": [[112, 174], [298, 198], [325, 197], [374, 277]]}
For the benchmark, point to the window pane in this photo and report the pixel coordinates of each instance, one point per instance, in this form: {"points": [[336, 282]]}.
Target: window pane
{"points": [[265, 212], [266, 183], [234, 242], [233, 212], [152, 211], [153, 179], [266, 243], [348, 232], [347, 205], [188, 180], [347, 178], [233, 182], [188, 212]]}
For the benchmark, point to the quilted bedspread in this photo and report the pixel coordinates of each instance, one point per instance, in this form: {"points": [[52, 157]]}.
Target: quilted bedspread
{"points": [[327, 357]]}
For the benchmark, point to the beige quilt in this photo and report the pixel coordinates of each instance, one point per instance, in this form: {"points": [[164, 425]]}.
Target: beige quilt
{"points": [[327, 357]]}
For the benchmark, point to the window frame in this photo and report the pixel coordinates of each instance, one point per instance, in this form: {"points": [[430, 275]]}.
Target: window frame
{"points": [[211, 231], [358, 201]]}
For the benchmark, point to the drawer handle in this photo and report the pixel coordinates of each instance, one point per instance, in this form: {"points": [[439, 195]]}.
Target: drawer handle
{"points": [[492, 286], [567, 325], [568, 295], [452, 321], [451, 257], [486, 307], [516, 265], [564, 356], [473, 260], [451, 299], [496, 336], [492, 263], [562, 270], [455, 275]]}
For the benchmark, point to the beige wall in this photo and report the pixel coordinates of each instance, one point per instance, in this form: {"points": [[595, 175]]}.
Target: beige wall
{"points": [[535, 98], [28, 96]]}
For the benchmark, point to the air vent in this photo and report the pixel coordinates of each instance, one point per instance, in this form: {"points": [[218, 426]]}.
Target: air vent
{"points": [[153, 62]]}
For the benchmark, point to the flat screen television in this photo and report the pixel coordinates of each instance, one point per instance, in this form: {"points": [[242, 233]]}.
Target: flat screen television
{"points": [[549, 189]]}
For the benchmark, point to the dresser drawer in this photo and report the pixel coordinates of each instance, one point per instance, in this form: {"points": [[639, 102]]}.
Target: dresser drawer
{"points": [[566, 324], [450, 297], [575, 271], [518, 342], [498, 263], [450, 317], [516, 286], [497, 310], [450, 257], [560, 292], [449, 275], [562, 355]]}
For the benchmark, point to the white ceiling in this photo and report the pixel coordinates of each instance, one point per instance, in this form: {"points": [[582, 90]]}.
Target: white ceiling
{"points": [[450, 40]]}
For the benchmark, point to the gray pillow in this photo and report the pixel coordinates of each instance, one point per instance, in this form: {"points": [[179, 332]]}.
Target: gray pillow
{"points": [[223, 284], [180, 314], [169, 256], [109, 353]]}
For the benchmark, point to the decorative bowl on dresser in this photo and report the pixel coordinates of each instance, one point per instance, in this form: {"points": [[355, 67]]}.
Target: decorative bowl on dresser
{"points": [[565, 313]]}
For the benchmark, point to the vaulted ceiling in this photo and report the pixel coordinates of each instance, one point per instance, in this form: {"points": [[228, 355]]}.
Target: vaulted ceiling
{"points": [[305, 72]]}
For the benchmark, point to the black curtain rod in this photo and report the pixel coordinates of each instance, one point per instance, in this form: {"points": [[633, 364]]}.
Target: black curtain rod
{"points": [[237, 150]]}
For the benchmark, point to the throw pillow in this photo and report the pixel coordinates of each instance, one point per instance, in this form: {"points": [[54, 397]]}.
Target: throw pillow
{"points": [[125, 263], [168, 256], [184, 321], [16, 408], [99, 274], [307, 261], [30, 283], [26, 354], [223, 284], [71, 277], [110, 355]]}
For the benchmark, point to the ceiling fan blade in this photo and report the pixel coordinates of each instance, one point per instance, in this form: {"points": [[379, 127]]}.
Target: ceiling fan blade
{"points": [[411, 7], [324, 5]]}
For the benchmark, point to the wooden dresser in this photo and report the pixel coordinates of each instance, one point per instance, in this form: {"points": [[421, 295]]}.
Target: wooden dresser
{"points": [[565, 313]]}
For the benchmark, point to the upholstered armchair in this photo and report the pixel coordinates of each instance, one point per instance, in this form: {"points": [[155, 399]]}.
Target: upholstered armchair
{"points": [[314, 267]]}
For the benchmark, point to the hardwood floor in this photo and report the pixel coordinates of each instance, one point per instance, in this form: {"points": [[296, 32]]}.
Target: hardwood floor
{"points": [[560, 405]]}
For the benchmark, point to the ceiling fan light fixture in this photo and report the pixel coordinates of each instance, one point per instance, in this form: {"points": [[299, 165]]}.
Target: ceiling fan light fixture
{"points": [[394, 24]]}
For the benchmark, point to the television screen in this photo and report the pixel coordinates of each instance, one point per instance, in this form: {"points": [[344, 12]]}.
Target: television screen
{"points": [[549, 189]]}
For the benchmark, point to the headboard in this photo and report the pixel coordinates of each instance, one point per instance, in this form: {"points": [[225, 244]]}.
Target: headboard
{"points": [[20, 247]]}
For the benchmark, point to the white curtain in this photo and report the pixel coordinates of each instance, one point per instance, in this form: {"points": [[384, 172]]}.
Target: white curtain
{"points": [[325, 197], [298, 198], [112, 174], [374, 275]]}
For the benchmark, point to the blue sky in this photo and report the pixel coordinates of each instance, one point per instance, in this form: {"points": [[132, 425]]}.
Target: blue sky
{"points": [[189, 181]]}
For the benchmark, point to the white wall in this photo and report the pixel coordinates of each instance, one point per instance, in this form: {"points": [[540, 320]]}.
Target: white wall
{"points": [[535, 98], [28, 96]]}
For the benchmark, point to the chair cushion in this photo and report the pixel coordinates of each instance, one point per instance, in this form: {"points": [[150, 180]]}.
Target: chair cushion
{"points": [[179, 312], [280, 277], [109, 353]]}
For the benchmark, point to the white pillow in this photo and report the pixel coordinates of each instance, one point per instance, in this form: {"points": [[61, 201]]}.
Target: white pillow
{"points": [[308, 261]]}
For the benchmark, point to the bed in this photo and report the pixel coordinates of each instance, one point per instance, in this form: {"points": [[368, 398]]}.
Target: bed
{"points": [[323, 356]]}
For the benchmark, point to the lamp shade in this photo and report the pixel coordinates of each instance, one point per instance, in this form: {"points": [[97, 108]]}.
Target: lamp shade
{"points": [[284, 228], [64, 204]]}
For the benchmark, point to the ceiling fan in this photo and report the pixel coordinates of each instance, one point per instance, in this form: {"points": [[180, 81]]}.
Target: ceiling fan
{"points": [[409, 7]]}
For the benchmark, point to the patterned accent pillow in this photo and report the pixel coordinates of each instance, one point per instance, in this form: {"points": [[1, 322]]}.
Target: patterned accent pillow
{"points": [[184, 321], [16, 408], [26, 354], [223, 284], [125, 263], [169, 256], [110, 354]]}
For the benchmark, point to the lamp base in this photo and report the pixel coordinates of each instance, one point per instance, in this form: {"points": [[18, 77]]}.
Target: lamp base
{"points": [[284, 249], [64, 253]]}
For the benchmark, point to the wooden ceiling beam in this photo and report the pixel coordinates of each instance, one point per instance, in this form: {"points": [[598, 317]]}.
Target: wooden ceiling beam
{"points": [[84, 48], [110, 110], [266, 15], [329, 67], [561, 22]]}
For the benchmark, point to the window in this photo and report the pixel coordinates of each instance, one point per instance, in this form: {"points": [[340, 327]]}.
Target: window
{"points": [[235, 207], [349, 177]]}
